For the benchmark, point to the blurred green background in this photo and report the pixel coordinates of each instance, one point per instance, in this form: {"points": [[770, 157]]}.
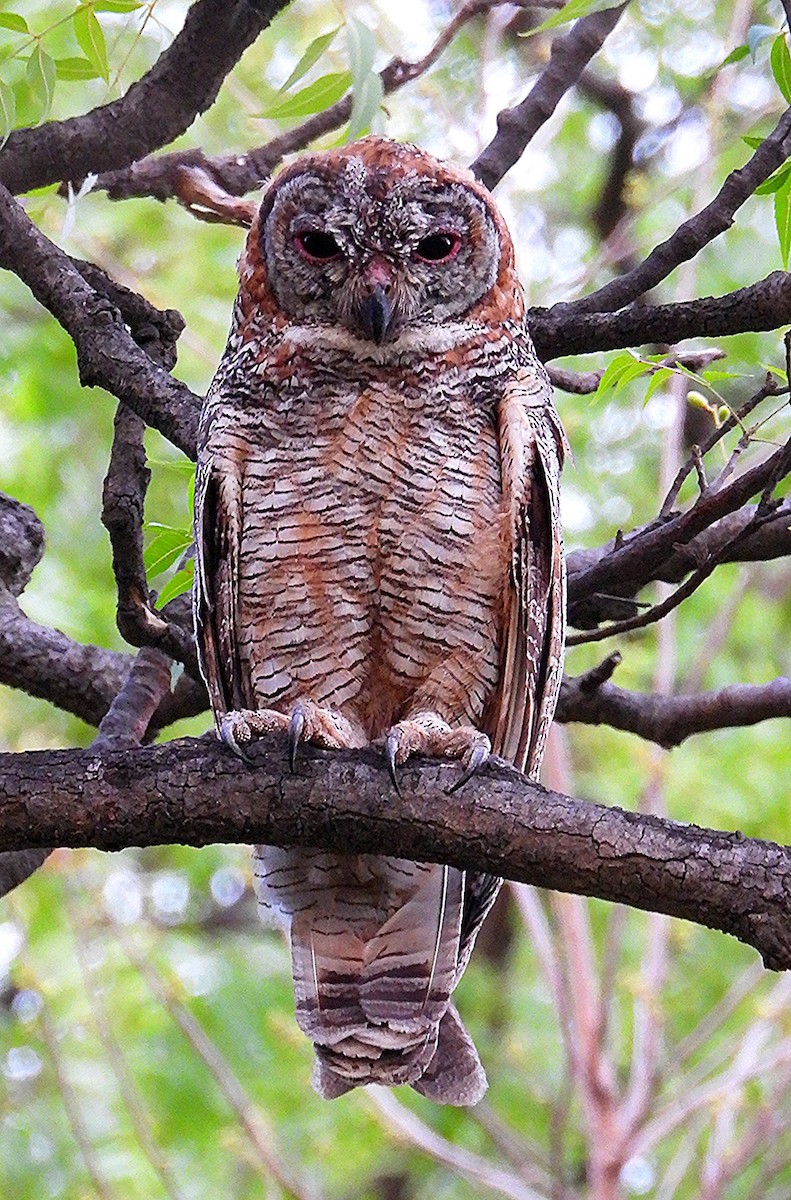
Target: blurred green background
{"points": [[147, 1042]]}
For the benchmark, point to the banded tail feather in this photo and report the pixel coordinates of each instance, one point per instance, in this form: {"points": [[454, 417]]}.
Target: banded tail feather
{"points": [[373, 993]]}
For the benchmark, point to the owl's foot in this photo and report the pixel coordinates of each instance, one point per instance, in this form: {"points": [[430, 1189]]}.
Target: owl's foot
{"points": [[307, 722], [242, 725], [320, 726], [427, 733]]}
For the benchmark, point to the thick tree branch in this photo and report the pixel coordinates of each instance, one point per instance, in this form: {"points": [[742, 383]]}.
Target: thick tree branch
{"points": [[516, 126], [183, 82], [107, 353], [572, 329], [196, 792]]}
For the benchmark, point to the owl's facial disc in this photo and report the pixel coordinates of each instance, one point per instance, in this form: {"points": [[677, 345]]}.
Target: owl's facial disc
{"points": [[377, 257]]}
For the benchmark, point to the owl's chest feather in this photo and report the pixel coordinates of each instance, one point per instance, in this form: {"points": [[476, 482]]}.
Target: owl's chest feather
{"points": [[373, 450]]}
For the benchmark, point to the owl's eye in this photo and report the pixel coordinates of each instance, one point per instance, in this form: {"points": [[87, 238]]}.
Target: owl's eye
{"points": [[438, 247], [317, 246]]}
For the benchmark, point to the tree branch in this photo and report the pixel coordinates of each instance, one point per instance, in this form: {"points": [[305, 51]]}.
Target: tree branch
{"points": [[668, 720], [691, 236], [572, 329], [107, 354], [160, 176], [183, 82], [123, 500], [635, 560], [196, 792], [589, 605], [516, 126]]}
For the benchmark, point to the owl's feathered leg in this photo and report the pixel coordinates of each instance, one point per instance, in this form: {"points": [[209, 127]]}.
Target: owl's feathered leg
{"points": [[306, 722], [426, 732]]}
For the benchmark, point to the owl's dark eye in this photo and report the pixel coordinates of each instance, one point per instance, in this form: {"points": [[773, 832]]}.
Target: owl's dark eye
{"points": [[317, 246], [438, 247]]}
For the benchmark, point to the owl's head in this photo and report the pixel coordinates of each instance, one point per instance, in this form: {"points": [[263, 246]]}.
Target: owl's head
{"points": [[380, 239]]}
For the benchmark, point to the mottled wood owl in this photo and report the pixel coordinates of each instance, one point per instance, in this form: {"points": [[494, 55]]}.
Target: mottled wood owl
{"points": [[380, 560]]}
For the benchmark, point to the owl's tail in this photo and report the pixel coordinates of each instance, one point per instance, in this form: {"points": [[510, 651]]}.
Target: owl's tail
{"points": [[375, 998]]}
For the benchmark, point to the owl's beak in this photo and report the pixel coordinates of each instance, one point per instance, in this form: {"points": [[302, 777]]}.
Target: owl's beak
{"points": [[376, 313]]}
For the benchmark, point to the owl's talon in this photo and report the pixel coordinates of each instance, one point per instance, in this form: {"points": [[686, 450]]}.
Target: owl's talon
{"points": [[227, 735], [478, 757], [296, 728], [391, 751]]}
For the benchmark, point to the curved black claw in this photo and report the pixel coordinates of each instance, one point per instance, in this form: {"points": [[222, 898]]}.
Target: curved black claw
{"points": [[226, 736], [477, 759], [391, 749], [296, 728]]}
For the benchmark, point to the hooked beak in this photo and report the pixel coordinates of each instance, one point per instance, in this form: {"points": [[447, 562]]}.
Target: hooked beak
{"points": [[376, 314]]}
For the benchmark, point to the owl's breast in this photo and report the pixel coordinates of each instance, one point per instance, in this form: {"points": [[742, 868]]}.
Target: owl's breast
{"points": [[373, 545]]}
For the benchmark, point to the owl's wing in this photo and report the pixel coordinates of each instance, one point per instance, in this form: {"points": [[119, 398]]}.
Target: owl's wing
{"points": [[532, 450], [218, 524]]}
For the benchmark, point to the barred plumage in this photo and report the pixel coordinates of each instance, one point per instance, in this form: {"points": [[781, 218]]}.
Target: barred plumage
{"points": [[379, 557]]}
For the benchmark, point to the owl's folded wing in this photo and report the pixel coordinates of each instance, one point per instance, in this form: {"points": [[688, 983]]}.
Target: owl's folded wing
{"points": [[532, 449], [216, 593]]}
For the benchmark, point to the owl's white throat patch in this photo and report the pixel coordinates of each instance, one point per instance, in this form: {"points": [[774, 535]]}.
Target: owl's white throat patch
{"points": [[436, 339]]}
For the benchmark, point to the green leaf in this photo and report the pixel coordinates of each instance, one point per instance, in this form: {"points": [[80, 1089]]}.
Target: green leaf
{"points": [[775, 371], [310, 57], [612, 373], [570, 12], [181, 582], [368, 90], [7, 111], [756, 36], [735, 56], [90, 36], [716, 376], [117, 6], [75, 68], [774, 181], [362, 49], [631, 372], [9, 20], [41, 74], [367, 101], [753, 142], [168, 545], [783, 220], [657, 379], [314, 98], [780, 61]]}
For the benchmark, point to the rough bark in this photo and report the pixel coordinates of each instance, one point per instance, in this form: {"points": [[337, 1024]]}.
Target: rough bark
{"points": [[195, 791], [183, 82]]}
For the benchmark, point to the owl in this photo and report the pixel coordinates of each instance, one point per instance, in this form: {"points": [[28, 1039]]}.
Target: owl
{"points": [[379, 560]]}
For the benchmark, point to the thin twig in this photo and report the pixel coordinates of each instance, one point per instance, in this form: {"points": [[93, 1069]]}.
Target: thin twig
{"points": [[405, 1126], [259, 1132]]}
